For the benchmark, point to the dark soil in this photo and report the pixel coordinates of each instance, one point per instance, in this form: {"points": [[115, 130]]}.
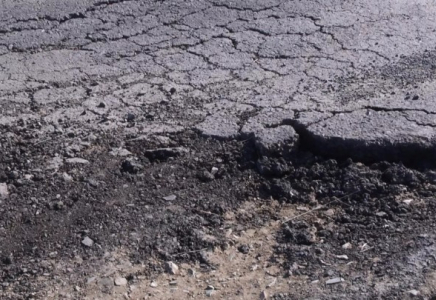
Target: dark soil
{"points": [[129, 202]]}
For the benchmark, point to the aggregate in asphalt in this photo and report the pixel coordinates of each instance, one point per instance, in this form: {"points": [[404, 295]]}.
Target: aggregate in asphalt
{"points": [[139, 124]]}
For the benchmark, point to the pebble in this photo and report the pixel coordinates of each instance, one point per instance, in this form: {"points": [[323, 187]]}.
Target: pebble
{"points": [[59, 205], [344, 257], [92, 182], [77, 160], [91, 280], [173, 283], [330, 213], [244, 249], [120, 152], [272, 283], [407, 201], [171, 268], [302, 208], [170, 198], [130, 117], [264, 295], [165, 153], [67, 177], [153, 284], [335, 280], [106, 284], [4, 192], [347, 246], [131, 166], [413, 292], [120, 281], [191, 272], [87, 242], [206, 176]]}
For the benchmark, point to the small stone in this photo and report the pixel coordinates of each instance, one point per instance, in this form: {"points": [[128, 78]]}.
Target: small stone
{"points": [[67, 177], [302, 208], [171, 268], [170, 198], [191, 272], [244, 249], [210, 287], [106, 284], [153, 284], [101, 105], [413, 293], [92, 182], [173, 283], [330, 212], [206, 176], [7, 260], [343, 257], [77, 160], [87, 242], [408, 201], [77, 288], [59, 205], [272, 283], [209, 293], [380, 214], [120, 281], [91, 280], [334, 280], [131, 166], [163, 154], [264, 295], [347, 246], [52, 254], [4, 192], [120, 152], [130, 117], [214, 170]]}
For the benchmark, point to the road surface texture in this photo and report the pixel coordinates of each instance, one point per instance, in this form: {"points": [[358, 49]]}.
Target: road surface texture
{"points": [[269, 149]]}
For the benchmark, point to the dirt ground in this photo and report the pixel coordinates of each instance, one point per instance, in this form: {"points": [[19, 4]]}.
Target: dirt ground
{"points": [[237, 225]]}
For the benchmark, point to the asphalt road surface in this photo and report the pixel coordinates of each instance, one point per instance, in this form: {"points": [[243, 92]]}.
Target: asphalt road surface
{"points": [[141, 125]]}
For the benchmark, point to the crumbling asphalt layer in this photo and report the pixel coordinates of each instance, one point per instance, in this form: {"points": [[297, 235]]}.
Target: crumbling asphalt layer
{"points": [[109, 107], [354, 73]]}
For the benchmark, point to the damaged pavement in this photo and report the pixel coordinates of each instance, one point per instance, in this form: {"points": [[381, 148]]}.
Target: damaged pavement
{"points": [[297, 136]]}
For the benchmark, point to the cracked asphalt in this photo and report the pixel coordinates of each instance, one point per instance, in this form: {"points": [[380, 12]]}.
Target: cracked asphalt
{"points": [[89, 79], [352, 72]]}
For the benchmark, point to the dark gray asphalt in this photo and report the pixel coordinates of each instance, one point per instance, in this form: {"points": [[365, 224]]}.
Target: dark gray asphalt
{"points": [[344, 74]]}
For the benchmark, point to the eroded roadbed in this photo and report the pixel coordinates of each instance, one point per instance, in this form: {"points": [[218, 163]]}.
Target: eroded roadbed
{"points": [[232, 149], [218, 208]]}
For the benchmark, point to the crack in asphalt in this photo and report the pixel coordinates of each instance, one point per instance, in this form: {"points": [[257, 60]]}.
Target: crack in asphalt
{"points": [[248, 50]]}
